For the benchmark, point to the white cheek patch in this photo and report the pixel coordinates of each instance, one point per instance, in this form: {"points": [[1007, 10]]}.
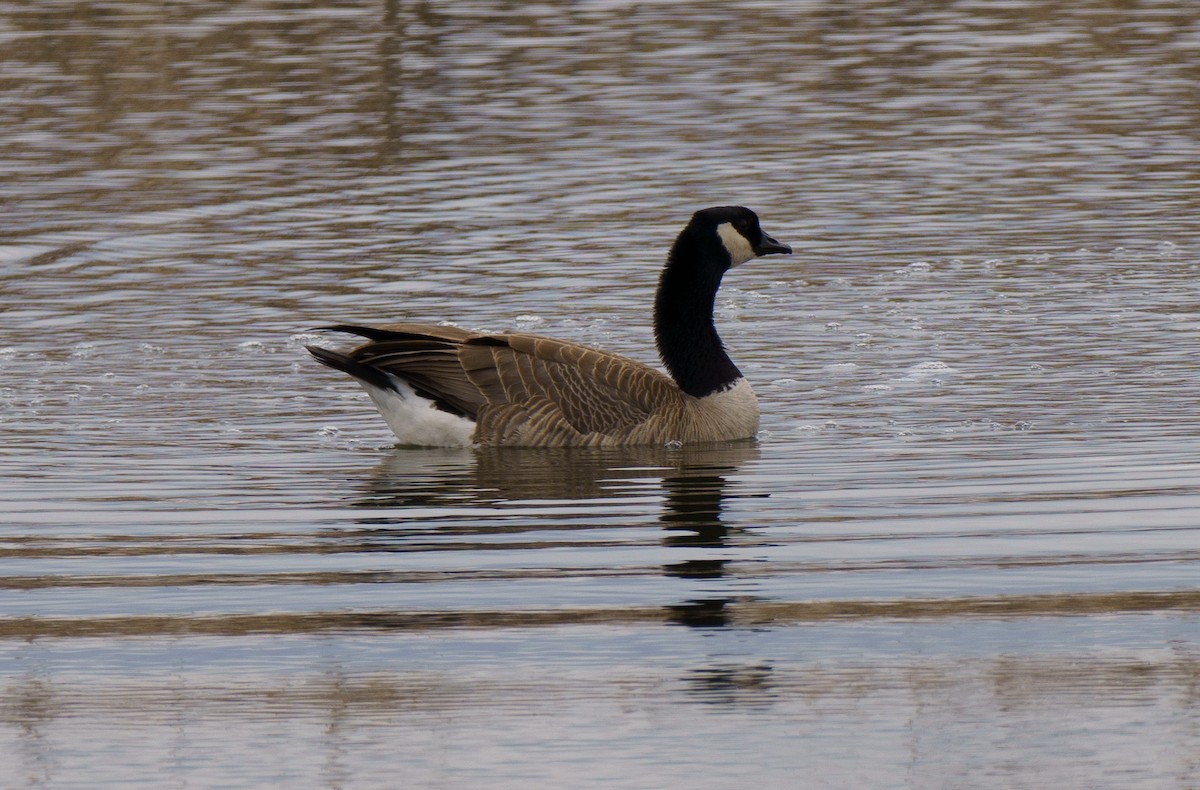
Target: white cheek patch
{"points": [[735, 243]]}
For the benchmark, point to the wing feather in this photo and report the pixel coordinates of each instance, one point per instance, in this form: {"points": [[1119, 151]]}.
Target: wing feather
{"points": [[522, 389], [563, 384]]}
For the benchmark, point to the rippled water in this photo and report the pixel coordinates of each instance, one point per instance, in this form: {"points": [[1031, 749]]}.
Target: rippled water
{"points": [[963, 553]]}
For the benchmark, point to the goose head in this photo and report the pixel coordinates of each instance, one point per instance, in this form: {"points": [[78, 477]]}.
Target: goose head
{"points": [[738, 230]]}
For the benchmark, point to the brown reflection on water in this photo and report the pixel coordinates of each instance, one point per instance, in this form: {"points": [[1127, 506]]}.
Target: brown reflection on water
{"points": [[1034, 682], [747, 613]]}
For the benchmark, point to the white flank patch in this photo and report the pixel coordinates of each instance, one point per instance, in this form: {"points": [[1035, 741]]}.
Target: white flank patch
{"points": [[416, 421], [735, 243]]}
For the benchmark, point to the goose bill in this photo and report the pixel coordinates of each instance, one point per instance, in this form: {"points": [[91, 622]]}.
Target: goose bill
{"points": [[769, 246]]}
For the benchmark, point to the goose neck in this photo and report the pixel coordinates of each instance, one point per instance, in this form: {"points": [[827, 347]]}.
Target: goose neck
{"points": [[687, 338]]}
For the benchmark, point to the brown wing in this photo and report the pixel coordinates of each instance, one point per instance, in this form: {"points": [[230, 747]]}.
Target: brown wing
{"points": [[520, 389], [543, 391]]}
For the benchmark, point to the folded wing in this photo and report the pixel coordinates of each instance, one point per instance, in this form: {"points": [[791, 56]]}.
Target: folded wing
{"points": [[520, 389]]}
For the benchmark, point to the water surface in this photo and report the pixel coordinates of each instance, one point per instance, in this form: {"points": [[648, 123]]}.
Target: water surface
{"points": [[961, 553]]}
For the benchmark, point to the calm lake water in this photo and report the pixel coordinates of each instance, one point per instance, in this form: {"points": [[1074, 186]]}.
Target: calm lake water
{"points": [[964, 552]]}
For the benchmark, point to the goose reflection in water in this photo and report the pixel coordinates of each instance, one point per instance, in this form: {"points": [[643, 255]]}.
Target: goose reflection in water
{"points": [[533, 481], [433, 499], [692, 512]]}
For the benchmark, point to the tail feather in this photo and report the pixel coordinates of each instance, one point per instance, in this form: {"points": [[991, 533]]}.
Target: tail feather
{"points": [[450, 334], [366, 373], [369, 332], [413, 415]]}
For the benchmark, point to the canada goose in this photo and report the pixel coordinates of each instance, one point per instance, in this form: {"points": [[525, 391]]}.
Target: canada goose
{"points": [[444, 386]]}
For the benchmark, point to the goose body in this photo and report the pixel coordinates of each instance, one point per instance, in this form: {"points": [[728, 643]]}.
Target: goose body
{"points": [[445, 386]]}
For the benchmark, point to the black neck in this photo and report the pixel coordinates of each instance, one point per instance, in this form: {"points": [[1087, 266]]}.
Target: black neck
{"points": [[683, 317]]}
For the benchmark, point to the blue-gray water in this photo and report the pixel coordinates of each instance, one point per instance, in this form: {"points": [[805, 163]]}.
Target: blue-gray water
{"points": [[964, 552]]}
